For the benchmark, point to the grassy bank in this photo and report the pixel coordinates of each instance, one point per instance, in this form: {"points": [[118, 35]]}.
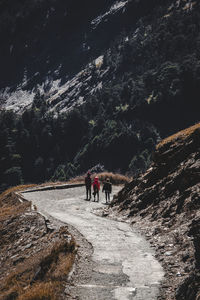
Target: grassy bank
{"points": [[35, 260]]}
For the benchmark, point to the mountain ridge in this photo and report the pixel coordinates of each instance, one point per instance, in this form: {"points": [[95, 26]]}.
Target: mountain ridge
{"points": [[81, 44]]}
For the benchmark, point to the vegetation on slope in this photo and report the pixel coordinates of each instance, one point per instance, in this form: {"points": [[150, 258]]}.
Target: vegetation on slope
{"points": [[179, 135], [116, 179], [151, 90], [35, 259], [37, 147]]}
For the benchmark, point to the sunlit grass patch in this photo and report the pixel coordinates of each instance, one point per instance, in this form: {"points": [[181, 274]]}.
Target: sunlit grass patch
{"points": [[41, 291], [64, 266], [10, 204], [8, 196], [43, 275], [77, 179], [181, 134], [13, 210], [114, 178]]}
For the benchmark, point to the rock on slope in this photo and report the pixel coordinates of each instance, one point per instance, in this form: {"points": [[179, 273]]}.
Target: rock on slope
{"points": [[164, 202]]}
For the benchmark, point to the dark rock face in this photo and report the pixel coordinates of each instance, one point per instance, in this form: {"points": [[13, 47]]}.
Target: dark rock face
{"points": [[48, 40], [45, 41], [39, 35], [164, 202], [53, 46]]}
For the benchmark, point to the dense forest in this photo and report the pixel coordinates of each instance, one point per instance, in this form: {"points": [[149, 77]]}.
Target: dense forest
{"points": [[152, 90], [36, 146]]}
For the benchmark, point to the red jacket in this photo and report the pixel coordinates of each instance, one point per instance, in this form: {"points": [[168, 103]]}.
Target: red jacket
{"points": [[96, 183]]}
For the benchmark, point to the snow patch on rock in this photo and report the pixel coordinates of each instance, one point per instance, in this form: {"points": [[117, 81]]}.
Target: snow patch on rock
{"points": [[99, 61], [17, 100], [113, 9]]}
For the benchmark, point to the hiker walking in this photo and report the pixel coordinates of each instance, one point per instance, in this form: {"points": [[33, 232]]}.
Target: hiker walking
{"points": [[88, 183], [107, 188], [96, 188]]}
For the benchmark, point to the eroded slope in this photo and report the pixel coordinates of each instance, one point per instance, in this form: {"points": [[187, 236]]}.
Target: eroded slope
{"points": [[164, 202]]}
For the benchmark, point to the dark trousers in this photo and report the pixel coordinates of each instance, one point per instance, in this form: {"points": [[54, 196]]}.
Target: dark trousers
{"points": [[88, 192], [107, 196], [96, 192]]}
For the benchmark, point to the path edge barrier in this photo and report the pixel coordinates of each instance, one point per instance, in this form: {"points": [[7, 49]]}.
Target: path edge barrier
{"points": [[52, 187], [46, 188]]}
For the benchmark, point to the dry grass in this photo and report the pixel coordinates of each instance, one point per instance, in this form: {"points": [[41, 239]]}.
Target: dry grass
{"points": [[181, 134], [41, 291], [5, 195], [78, 179], [64, 266], [114, 178], [50, 183], [10, 204], [13, 210], [58, 261], [43, 275]]}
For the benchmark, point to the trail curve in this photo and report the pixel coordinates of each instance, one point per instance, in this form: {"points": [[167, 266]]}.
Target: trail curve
{"points": [[124, 266]]}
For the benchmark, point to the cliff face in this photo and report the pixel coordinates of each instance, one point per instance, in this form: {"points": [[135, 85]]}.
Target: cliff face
{"points": [[118, 75], [46, 44], [72, 50], [165, 203], [38, 36]]}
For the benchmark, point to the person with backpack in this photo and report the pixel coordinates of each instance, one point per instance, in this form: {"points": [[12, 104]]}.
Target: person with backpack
{"points": [[96, 188], [88, 184], [107, 188]]}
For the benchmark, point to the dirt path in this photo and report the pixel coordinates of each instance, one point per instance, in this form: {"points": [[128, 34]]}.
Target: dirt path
{"points": [[122, 265]]}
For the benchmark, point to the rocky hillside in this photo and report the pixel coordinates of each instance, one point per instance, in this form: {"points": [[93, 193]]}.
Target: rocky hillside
{"points": [[36, 257], [69, 54], [164, 203], [107, 80], [50, 45]]}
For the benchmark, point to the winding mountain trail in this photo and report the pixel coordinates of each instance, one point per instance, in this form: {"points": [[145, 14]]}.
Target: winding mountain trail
{"points": [[122, 265]]}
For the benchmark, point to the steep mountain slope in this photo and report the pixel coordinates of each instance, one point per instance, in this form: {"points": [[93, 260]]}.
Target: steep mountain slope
{"points": [[49, 42], [68, 53], [164, 202], [94, 82]]}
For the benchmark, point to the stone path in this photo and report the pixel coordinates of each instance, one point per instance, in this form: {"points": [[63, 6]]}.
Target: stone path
{"points": [[123, 264]]}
